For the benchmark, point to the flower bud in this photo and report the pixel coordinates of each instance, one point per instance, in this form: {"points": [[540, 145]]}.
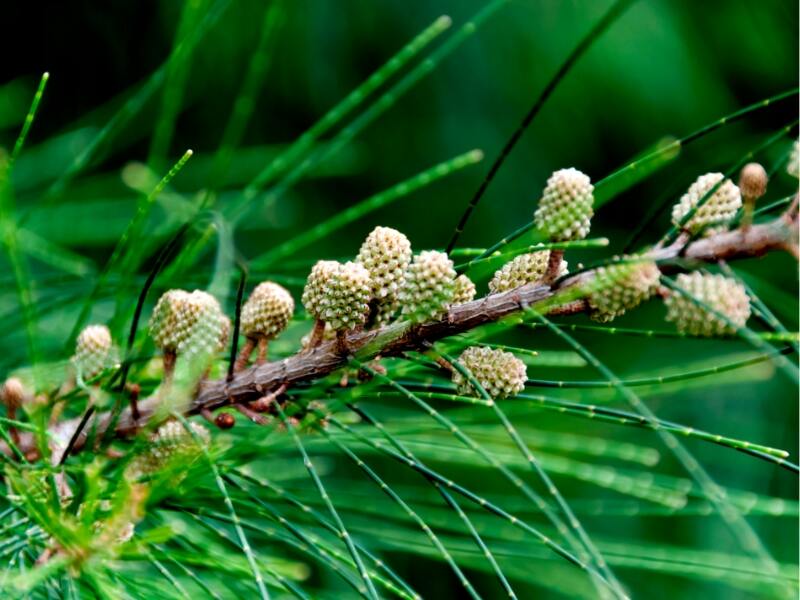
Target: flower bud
{"points": [[500, 373], [718, 209], [13, 393], [723, 294], [753, 181], [565, 209], [429, 287], [267, 311]]}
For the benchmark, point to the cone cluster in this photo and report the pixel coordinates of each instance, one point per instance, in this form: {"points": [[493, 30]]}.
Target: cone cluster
{"points": [[718, 209], [722, 294], [267, 311], [429, 286], [621, 287], [384, 283], [565, 209], [187, 323], [500, 373]]}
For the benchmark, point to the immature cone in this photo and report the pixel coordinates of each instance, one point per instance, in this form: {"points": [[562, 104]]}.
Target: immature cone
{"points": [[314, 292], [793, 166], [346, 296], [753, 181], [617, 288], [429, 287], [464, 290], [386, 254], [726, 296], [500, 373], [718, 209], [94, 351], [267, 311], [565, 210], [187, 323], [13, 393], [524, 269]]}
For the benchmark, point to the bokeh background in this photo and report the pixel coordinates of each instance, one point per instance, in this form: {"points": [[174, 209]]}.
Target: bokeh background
{"points": [[666, 68]]}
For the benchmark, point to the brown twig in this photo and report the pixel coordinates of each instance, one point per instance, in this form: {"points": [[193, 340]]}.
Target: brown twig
{"points": [[397, 338]]}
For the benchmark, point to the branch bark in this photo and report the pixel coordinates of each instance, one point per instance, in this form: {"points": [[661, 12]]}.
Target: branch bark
{"points": [[397, 338]]}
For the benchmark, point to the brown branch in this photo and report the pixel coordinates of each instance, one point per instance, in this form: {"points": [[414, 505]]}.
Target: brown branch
{"points": [[397, 338]]}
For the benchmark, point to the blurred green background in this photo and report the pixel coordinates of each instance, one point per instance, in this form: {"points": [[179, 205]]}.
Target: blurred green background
{"points": [[663, 70]]}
